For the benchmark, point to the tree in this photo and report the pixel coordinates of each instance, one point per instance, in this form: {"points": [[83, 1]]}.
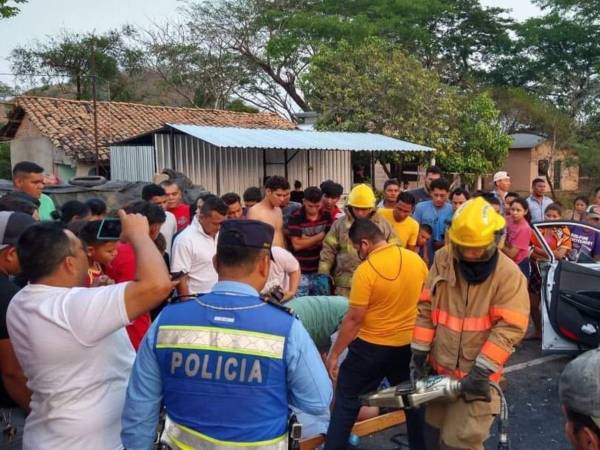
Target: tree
{"points": [[76, 57], [556, 57], [274, 40], [483, 145], [377, 87], [254, 31], [6, 10], [200, 72]]}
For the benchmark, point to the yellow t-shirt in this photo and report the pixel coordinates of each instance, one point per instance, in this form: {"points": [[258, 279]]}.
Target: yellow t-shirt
{"points": [[388, 283], [407, 230]]}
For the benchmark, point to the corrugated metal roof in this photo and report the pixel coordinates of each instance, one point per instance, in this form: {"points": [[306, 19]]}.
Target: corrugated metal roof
{"points": [[526, 140], [230, 137]]}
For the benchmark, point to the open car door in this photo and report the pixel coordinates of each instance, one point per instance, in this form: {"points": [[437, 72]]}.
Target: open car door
{"points": [[570, 292]]}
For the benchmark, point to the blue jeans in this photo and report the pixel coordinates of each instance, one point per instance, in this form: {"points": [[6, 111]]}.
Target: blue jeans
{"points": [[525, 268], [361, 372], [309, 286], [16, 418]]}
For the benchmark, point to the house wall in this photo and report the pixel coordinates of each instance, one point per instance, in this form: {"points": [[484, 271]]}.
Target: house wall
{"points": [[522, 166], [29, 145]]}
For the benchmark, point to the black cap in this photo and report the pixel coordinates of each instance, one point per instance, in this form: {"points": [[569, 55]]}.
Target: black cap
{"points": [[246, 233], [12, 224]]}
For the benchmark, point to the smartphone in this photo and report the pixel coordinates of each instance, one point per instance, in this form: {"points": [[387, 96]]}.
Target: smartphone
{"points": [[110, 230], [177, 275]]}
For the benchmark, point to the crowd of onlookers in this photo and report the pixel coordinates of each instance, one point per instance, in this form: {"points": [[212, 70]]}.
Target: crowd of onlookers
{"points": [[312, 255]]}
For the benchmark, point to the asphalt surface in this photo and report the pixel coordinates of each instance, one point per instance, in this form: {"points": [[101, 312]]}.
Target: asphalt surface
{"points": [[535, 417]]}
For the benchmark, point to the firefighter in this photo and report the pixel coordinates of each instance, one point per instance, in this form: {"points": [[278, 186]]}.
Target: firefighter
{"points": [[472, 312], [338, 257]]}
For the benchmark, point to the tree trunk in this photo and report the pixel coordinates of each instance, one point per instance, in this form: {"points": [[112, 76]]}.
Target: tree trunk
{"points": [[78, 83]]}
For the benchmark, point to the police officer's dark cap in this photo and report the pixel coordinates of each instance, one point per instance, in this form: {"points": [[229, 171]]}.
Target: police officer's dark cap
{"points": [[246, 233]]}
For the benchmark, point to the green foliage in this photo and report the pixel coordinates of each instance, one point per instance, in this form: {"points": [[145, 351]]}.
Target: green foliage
{"points": [[524, 112], [238, 105], [377, 87], [6, 10], [77, 57], [5, 167], [482, 146]]}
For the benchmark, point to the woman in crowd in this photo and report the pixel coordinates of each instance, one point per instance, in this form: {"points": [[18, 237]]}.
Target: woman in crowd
{"points": [[518, 235], [579, 206]]}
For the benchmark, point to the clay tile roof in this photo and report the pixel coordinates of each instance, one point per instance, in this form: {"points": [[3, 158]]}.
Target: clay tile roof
{"points": [[69, 123]]}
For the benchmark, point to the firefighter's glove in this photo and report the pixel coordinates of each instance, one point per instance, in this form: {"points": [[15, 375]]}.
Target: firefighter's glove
{"points": [[476, 385], [323, 284], [417, 366]]}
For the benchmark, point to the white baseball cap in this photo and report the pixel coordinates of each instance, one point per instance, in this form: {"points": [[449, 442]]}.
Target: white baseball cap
{"points": [[501, 176]]}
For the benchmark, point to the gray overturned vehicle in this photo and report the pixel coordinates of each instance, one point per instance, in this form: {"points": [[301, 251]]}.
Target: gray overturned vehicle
{"points": [[570, 292], [115, 193]]}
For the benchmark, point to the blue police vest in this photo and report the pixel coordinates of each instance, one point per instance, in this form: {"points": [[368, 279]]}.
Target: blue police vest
{"points": [[222, 361]]}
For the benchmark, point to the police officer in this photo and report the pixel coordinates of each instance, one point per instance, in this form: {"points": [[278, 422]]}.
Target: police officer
{"points": [[226, 363]]}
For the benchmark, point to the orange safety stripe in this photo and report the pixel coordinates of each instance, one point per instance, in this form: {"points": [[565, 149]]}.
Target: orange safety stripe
{"points": [[495, 352], [423, 334], [458, 374], [441, 370], [459, 324], [513, 317], [425, 295]]}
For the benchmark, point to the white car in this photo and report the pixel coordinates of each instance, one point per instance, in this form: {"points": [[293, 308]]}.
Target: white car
{"points": [[570, 292]]}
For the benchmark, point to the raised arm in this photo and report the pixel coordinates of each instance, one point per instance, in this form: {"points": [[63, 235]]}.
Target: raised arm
{"points": [[152, 284]]}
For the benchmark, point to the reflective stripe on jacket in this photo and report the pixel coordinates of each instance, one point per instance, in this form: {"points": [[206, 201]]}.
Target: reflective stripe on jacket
{"points": [[224, 372], [338, 257], [462, 324]]}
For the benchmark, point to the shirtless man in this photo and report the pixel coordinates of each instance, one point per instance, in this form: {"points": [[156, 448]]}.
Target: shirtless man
{"points": [[269, 209]]}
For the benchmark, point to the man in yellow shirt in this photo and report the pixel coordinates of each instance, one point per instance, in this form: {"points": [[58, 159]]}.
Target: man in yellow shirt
{"points": [[377, 330], [405, 227]]}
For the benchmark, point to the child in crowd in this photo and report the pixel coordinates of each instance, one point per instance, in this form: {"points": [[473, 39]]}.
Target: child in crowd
{"points": [[100, 252], [558, 238], [97, 207], [425, 233], [559, 241], [518, 235], [508, 199], [72, 211]]}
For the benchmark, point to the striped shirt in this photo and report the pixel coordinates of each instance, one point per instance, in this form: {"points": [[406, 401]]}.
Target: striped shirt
{"points": [[299, 226]]}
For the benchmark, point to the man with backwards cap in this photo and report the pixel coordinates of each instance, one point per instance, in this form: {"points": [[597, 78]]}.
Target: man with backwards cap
{"points": [[502, 185], [226, 364], [579, 390]]}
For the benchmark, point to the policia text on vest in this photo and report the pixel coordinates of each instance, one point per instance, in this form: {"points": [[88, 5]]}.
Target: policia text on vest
{"points": [[212, 367]]}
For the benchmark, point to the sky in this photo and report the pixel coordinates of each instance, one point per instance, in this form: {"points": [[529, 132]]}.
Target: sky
{"points": [[40, 18]]}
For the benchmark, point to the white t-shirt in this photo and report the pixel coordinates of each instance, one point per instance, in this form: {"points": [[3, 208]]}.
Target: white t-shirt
{"points": [[77, 357], [193, 252], [282, 265], [168, 229]]}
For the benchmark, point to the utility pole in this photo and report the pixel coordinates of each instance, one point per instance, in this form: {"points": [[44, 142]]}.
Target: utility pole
{"points": [[94, 103]]}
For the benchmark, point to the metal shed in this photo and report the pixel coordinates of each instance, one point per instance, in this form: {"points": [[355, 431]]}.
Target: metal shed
{"points": [[227, 159]]}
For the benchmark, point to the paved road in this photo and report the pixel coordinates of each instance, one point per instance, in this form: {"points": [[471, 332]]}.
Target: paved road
{"points": [[536, 421]]}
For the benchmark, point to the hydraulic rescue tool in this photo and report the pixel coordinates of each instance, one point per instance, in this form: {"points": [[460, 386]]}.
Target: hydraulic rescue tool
{"points": [[434, 388]]}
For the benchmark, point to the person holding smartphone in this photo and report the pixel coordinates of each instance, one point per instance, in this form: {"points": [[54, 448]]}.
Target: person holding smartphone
{"points": [[124, 266], [71, 341]]}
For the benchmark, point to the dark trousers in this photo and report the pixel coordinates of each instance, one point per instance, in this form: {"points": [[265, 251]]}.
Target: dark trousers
{"points": [[361, 372]]}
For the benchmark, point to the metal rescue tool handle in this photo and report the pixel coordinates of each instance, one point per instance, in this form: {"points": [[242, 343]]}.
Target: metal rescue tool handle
{"points": [[405, 396], [436, 387]]}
